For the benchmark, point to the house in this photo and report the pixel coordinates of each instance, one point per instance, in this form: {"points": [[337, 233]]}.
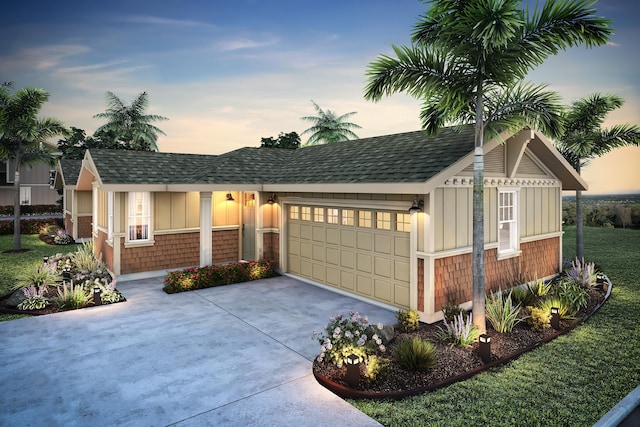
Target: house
{"points": [[35, 183], [76, 205], [338, 215]]}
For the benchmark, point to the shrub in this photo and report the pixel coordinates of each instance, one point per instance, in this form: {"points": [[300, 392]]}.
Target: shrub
{"points": [[582, 273], [409, 320], [62, 237], [28, 226], [72, 297], [216, 275], [572, 293], [35, 299], [84, 260], [451, 311], [108, 292], [565, 309], [501, 312], [522, 296], [376, 369], [539, 287], [346, 335], [42, 275], [415, 354], [538, 319], [459, 332]]}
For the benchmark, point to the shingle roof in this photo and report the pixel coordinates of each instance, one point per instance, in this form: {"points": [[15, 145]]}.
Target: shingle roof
{"points": [[398, 158], [70, 170]]}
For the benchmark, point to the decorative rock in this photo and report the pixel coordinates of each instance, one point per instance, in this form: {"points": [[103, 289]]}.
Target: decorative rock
{"points": [[387, 333], [16, 298]]}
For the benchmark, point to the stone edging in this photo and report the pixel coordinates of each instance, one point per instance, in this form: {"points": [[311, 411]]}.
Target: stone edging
{"points": [[349, 393]]}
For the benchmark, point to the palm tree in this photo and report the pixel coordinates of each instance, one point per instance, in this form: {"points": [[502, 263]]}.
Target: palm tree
{"points": [[130, 123], [584, 139], [328, 127], [466, 62], [21, 136]]}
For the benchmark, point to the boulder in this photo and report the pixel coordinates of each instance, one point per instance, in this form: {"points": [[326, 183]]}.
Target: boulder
{"points": [[16, 298]]}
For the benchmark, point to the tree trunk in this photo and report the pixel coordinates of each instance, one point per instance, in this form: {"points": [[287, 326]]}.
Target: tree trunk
{"points": [[478, 301], [579, 221], [16, 204]]}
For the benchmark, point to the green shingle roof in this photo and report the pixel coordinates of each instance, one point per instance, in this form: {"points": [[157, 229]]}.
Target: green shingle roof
{"points": [[70, 170], [405, 157]]}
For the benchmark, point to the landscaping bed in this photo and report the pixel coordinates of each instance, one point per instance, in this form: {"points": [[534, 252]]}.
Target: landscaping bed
{"points": [[453, 362]]}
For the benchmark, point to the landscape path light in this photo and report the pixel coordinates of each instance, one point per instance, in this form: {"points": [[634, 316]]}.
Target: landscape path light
{"points": [[485, 348], [555, 318], [97, 298], [353, 371]]}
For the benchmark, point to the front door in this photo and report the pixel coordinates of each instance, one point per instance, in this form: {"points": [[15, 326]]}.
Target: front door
{"points": [[248, 226]]}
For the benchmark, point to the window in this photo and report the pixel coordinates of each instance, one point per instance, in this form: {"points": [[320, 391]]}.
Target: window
{"points": [[306, 213], [294, 212], [318, 214], [332, 216], [348, 217], [507, 225], [139, 215], [383, 220], [25, 195], [364, 219], [403, 222]]}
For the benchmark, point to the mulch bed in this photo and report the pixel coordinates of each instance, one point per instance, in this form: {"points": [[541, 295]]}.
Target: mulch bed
{"points": [[454, 363]]}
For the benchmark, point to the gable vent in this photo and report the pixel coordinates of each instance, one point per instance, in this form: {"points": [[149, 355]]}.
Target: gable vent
{"points": [[528, 167]]}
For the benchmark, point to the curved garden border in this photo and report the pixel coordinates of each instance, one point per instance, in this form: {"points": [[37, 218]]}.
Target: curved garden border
{"points": [[349, 393]]}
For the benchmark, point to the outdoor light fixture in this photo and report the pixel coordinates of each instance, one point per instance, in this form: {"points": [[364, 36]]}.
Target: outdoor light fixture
{"points": [[97, 299], [66, 273], [417, 205], [45, 259], [272, 199], [230, 197], [353, 371], [485, 348], [555, 318]]}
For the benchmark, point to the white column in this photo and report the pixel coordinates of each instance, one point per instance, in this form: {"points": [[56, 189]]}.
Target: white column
{"points": [[206, 244]]}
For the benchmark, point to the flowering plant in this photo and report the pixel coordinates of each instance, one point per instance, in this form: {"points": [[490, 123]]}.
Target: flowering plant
{"points": [[35, 298], [345, 335]]}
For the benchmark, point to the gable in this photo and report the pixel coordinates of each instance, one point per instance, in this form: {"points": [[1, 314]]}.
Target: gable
{"points": [[530, 167]]}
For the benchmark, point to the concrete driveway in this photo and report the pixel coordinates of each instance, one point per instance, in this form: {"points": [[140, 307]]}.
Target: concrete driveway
{"points": [[233, 355]]}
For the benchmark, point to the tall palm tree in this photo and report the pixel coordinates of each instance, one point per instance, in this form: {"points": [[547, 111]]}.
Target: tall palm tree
{"points": [[21, 136], [328, 127], [130, 123], [584, 139], [466, 62]]}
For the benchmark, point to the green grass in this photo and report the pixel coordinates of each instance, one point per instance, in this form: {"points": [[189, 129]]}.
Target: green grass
{"points": [[13, 266], [572, 381]]}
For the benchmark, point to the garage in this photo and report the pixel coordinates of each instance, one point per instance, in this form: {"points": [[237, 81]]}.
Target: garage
{"points": [[362, 251]]}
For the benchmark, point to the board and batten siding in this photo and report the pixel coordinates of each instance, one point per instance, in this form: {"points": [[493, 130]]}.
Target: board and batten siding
{"points": [[540, 211], [83, 202], [181, 210]]}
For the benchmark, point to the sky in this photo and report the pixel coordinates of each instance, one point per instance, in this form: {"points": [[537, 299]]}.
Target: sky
{"points": [[227, 73]]}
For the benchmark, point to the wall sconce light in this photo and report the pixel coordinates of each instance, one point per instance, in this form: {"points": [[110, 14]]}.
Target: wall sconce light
{"points": [[97, 299], [555, 318], [484, 350], [353, 371], [230, 197], [272, 199], [417, 205]]}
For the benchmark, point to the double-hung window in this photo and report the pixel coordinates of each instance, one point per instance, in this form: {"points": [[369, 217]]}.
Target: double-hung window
{"points": [[507, 221], [139, 216]]}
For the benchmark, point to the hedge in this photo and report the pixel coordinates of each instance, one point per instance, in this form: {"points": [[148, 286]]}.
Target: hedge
{"points": [[30, 226], [32, 210], [216, 275]]}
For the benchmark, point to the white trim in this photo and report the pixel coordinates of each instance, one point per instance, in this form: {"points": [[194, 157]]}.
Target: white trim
{"points": [[541, 237], [349, 203]]}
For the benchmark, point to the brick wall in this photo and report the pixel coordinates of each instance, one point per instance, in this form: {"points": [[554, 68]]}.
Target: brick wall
{"points": [[271, 245], [84, 227], [102, 250], [420, 284], [454, 275]]}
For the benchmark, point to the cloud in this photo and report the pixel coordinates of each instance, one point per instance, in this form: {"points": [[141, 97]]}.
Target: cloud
{"points": [[41, 57], [92, 67], [157, 20], [245, 43], [613, 44]]}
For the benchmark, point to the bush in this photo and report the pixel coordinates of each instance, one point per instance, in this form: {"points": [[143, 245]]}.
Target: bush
{"points": [[44, 274], [501, 312], [572, 293], [72, 297], [216, 275], [84, 260], [459, 332], [539, 287], [565, 309], [62, 237], [346, 335], [538, 319], [522, 296], [450, 312], [409, 320], [376, 369], [582, 273], [35, 299], [415, 354]]}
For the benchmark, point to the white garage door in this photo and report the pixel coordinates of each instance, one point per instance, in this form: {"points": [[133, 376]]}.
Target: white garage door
{"points": [[363, 251]]}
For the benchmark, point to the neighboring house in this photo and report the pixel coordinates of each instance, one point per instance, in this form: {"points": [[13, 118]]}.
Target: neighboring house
{"points": [[77, 205], [338, 215], [35, 184]]}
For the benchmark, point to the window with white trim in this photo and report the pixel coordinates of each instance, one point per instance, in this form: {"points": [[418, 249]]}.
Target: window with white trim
{"points": [[364, 219], [139, 215], [403, 222], [294, 213], [507, 221], [318, 214], [25, 195], [348, 217], [306, 213], [383, 220]]}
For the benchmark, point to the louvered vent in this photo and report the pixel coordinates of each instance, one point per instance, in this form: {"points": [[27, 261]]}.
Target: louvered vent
{"points": [[493, 162], [529, 168]]}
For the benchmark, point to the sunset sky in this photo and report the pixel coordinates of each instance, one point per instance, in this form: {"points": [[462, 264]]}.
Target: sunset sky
{"points": [[227, 73]]}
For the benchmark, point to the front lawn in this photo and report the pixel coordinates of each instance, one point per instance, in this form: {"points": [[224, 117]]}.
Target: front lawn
{"points": [[572, 381]]}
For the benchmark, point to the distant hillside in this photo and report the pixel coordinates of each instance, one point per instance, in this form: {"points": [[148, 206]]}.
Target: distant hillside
{"points": [[611, 210]]}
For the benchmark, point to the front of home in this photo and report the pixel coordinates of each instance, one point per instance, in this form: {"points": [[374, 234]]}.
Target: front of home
{"points": [[387, 219]]}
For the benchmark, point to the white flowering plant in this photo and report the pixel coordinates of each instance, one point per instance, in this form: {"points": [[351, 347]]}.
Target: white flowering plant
{"points": [[346, 335]]}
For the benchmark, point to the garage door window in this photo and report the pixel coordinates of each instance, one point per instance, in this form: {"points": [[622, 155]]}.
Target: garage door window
{"points": [[348, 217], [305, 214], [332, 216], [403, 222], [294, 212], [364, 219], [383, 220], [318, 214]]}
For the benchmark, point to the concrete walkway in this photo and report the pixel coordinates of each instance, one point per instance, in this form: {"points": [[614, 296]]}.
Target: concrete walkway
{"points": [[234, 355]]}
